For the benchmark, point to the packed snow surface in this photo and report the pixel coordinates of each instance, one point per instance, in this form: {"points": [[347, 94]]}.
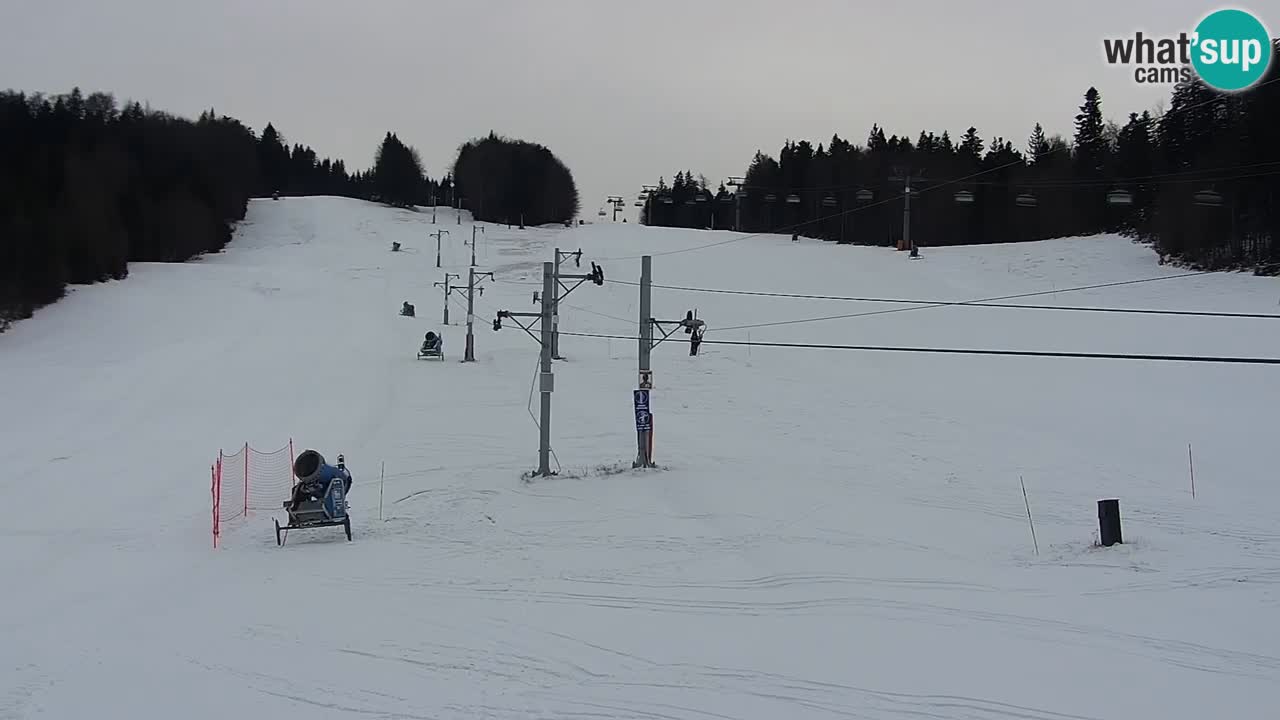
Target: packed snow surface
{"points": [[830, 533]]}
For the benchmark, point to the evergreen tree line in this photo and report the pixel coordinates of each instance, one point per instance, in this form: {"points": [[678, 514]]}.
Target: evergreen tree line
{"points": [[396, 178], [87, 187], [1203, 180], [514, 181]]}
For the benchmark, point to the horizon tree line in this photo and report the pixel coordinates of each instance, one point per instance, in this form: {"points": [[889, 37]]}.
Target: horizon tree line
{"points": [[87, 187], [1199, 183]]}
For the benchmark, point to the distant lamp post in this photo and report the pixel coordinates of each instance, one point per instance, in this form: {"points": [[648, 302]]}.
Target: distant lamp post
{"points": [[740, 192], [473, 242], [646, 195]]}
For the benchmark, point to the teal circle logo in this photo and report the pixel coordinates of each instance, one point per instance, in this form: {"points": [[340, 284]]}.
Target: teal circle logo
{"points": [[1232, 50]]}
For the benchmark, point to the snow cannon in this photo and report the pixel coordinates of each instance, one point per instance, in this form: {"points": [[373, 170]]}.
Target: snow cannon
{"points": [[320, 498], [310, 468]]}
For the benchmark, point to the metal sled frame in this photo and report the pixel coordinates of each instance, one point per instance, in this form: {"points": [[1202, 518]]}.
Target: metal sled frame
{"points": [[311, 514]]}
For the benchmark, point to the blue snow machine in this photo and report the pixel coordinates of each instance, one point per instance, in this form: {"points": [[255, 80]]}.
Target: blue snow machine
{"points": [[432, 347], [319, 497]]}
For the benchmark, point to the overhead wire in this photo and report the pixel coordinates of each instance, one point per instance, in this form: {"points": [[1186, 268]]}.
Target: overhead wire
{"points": [[1126, 181], [970, 351], [603, 315], [1080, 288], [981, 303]]}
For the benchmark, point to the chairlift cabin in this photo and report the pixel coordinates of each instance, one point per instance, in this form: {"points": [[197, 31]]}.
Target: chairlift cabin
{"points": [[964, 197], [770, 198], [829, 201], [666, 200], [726, 198], [600, 212], [700, 198], [1119, 197], [864, 195], [639, 203], [793, 199], [1208, 198], [1026, 200]]}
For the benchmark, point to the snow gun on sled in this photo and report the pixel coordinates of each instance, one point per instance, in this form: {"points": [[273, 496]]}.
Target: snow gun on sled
{"points": [[319, 497]]}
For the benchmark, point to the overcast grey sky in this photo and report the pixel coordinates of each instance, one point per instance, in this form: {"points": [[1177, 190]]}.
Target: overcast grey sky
{"points": [[623, 92]]}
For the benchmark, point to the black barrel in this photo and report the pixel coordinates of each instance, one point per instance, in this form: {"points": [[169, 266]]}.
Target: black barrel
{"points": [[1109, 522]]}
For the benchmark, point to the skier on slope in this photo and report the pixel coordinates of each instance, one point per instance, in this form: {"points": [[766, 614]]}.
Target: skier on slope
{"points": [[314, 476]]}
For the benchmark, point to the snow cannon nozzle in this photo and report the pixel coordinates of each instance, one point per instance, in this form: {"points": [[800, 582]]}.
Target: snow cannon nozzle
{"points": [[307, 465], [310, 467]]}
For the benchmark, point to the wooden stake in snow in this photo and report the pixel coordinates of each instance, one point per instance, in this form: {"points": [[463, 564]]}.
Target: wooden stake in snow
{"points": [[382, 480], [1029, 520], [1192, 464]]}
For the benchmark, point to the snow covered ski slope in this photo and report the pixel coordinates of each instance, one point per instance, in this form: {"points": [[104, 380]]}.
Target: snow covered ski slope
{"points": [[832, 534]]}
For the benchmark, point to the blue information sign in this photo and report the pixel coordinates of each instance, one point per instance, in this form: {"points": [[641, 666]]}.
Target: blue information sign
{"points": [[643, 418]]}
